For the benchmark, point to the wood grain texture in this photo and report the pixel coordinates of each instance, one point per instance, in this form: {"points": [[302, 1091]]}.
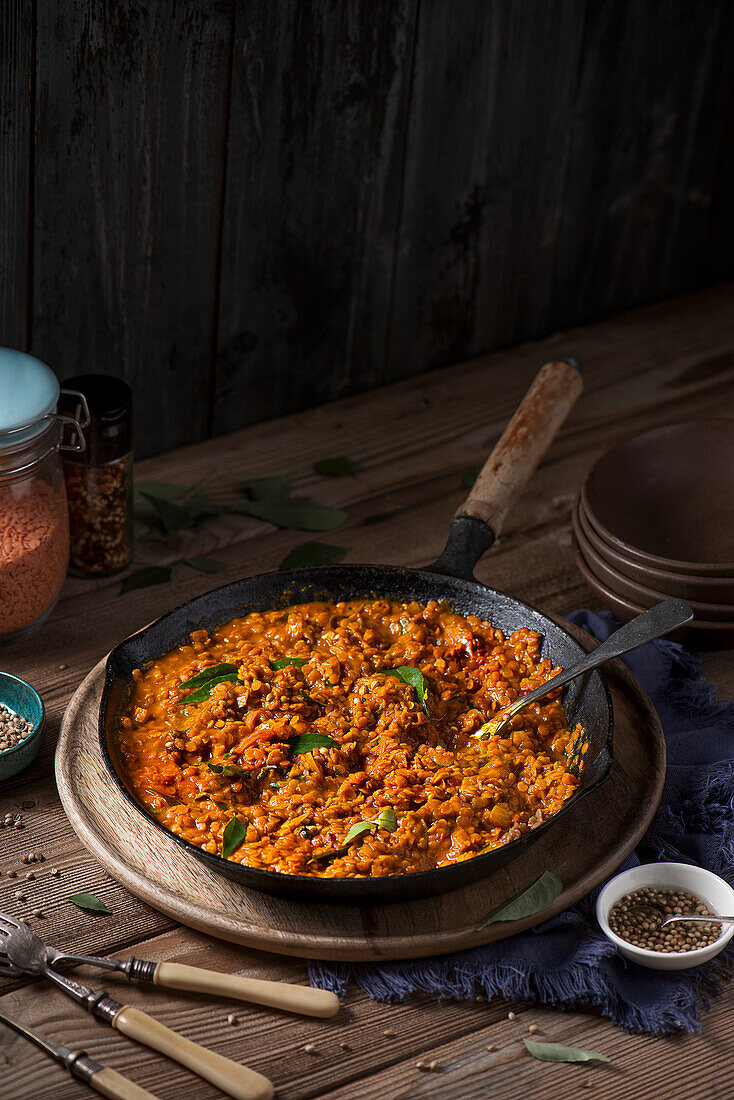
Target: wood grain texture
{"points": [[247, 208], [128, 172], [583, 848], [414, 440], [16, 144], [319, 103]]}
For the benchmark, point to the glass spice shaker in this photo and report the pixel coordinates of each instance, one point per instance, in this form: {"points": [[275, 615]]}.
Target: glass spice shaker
{"points": [[99, 482], [34, 525]]}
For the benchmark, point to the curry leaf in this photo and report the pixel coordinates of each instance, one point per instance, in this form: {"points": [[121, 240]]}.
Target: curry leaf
{"points": [[557, 1052], [208, 674], [414, 677], [313, 553], [144, 578], [228, 769], [273, 487], [357, 829], [335, 467], [283, 661], [537, 897], [205, 690], [173, 517], [164, 490], [386, 819], [233, 835], [88, 901], [205, 565], [307, 742], [302, 514]]}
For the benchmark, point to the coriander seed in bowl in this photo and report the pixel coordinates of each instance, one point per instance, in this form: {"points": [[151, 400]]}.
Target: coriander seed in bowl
{"points": [[633, 905], [637, 918], [22, 724], [14, 728]]}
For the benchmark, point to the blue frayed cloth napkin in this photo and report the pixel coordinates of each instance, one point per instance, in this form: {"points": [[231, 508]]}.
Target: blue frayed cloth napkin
{"points": [[566, 961]]}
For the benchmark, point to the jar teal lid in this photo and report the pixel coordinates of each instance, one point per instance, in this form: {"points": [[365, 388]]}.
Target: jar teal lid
{"points": [[29, 391]]}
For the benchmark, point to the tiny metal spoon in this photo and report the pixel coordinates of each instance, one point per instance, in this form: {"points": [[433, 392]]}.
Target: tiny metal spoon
{"points": [[651, 911], [659, 620]]}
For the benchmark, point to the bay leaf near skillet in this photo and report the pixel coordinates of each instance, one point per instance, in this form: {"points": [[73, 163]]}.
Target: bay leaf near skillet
{"points": [[204, 565], [412, 676], [534, 899], [233, 835], [144, 578], [271, 487], [313, 553], [301, 514], [557, 1052], [90, 903]]}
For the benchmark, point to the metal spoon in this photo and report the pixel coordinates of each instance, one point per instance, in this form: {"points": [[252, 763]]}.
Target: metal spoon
{"points": [[659, 620], [651, 911]]}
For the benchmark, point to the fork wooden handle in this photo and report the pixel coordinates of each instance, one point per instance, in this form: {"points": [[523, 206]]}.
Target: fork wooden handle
{"points": [[291, 998], [236, 1080], [108, 1082]]}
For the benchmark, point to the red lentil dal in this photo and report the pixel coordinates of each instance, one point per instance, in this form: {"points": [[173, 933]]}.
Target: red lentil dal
{"points": [[453, 796]]}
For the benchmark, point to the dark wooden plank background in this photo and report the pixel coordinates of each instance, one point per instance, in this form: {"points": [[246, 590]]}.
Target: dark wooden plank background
{"points": [[248, 207]]}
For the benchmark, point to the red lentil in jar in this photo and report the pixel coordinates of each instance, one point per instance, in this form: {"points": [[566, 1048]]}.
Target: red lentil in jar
{"points": [[305, 722], [34, 524]]}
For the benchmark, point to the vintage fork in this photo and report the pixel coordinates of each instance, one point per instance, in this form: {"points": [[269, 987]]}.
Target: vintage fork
{"points": [[22, 952], [192, 979]]}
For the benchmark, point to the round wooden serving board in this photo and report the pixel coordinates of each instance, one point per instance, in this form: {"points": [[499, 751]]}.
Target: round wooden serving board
{"points": [[585, 846]]}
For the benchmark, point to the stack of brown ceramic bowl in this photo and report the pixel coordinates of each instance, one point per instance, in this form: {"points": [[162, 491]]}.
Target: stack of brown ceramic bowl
{"points": [[655, 518]]}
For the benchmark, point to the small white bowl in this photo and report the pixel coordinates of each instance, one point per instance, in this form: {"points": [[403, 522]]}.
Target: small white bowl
{"points": [[712, 890]]}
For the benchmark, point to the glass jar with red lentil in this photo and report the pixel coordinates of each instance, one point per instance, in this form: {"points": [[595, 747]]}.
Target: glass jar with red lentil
{"points": [[34, 525]]}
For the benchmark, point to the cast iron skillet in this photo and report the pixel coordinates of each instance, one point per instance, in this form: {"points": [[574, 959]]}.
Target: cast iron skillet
{"points": [[450, 579]]}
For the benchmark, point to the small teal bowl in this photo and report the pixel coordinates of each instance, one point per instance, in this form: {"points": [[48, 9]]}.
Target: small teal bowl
{"points": [[21, 698]]}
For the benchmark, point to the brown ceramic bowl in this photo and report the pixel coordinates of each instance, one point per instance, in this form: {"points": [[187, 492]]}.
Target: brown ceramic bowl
{"points": [[641, 594], [718, 590], [702, 635], [664, 498]]}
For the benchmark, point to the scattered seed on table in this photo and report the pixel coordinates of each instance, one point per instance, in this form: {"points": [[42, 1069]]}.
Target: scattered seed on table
{"points": [[12, 874], [55, 872], [231, 1019], [38, 913], [510, 1015], [588, 1083], [345, 1046], [433, 1066], [62, 667], [19, 823], [30, 875], [20, 896], [420, 1065], [25, 858], [388, 1032], [309, 1048], [491, 1047], [533, 1028], [479, 998]]}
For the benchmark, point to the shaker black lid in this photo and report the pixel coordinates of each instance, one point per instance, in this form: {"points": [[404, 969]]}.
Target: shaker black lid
{"points": [[110, 400]]}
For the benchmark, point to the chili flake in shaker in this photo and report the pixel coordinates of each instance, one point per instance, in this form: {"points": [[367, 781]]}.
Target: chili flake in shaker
{"points": [[99, 482]]}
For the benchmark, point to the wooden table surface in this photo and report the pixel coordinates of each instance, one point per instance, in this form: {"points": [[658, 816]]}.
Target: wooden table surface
{"points": [[413, 442]]}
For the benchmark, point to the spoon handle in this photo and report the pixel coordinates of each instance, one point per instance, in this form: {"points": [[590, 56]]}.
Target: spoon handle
{"points": [[699, 919], [659, 620]]}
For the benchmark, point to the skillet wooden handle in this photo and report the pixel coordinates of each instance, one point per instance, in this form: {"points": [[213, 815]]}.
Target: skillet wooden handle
{"points": [[236, 1080], [108, 1082], [523, 443], [292, 998]]}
